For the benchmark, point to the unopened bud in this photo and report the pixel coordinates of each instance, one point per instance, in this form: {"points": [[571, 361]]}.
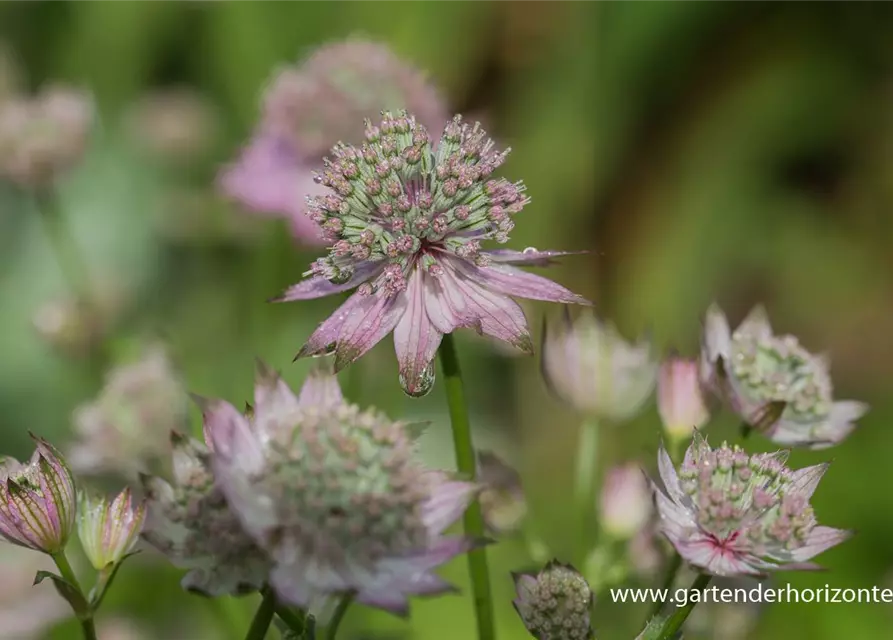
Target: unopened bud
{"points": [[108, 530], [680, 400], [555, 603], [625, 504]]}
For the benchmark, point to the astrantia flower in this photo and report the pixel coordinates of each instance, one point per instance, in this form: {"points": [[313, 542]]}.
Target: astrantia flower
{"points": [[554, 604], [37, 500], [680, 400], [108, 530], [335, 495], [127, 428], [406, 222], [305, 108], [733, 514], [773, 383], [192, 524], [589, 365], [625, 504], [44, 135]]}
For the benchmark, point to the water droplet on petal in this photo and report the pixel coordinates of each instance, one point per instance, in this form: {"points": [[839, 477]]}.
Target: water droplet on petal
{"points": [[422, 385], [531, 250]]}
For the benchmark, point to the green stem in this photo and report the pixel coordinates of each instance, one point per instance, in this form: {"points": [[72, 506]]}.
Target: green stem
{"points": [[675, 621], [584, 489], [263, 618], [466, 464], [87, 627], [669, 579], [68, 254], [295, 620], [338, 616]]}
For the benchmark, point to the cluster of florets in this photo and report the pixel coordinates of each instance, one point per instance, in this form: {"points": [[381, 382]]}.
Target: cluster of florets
{"points": [[555, 604], [397, 195], [750, 495], [778, 369], [44, 135], [192, 524], [347, 487]]}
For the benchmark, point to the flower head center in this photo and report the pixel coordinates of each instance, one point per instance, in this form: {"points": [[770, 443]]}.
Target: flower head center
{"points": [[348, 484], [778, 368], [737, 495], [398, 200]]}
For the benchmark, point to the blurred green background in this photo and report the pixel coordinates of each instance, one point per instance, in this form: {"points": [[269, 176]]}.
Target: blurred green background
{"points": [[740, 152]]}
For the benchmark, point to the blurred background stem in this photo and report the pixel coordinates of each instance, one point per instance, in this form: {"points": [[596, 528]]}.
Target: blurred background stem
{"points": [[466, 464], [586, 469], [71, 259]]}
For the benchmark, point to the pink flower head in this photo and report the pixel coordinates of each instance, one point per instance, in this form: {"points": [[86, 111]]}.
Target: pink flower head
{"points": [[192, 525], [126, 428], [554, 604], [335, 495], [680, 400], [625, 505], [37, 500], [44, 135], [406, 222], [732, 514], [773, 383], [108, 530], [270, 177], [307, 106]]}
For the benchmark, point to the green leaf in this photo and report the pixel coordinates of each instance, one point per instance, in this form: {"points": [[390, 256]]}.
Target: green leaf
{"points": [[68, 591]]}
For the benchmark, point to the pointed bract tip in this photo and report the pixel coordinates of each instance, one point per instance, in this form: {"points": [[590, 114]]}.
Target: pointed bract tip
{"points": [[263, 371], [178, 439]]}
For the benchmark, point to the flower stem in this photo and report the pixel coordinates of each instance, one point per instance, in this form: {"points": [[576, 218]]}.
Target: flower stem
{"points": [[338, 616], [68, 254], [295, 619], [263, 617], [587, 465], [675, 621], [466, 464], [669, 579], [86, 618]]}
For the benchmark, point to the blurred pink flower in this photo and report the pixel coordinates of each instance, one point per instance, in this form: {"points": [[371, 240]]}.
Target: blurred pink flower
{"points": [[732, 514], [335, 495], [126, 428], [271, 178], [680, 400], [773, 383], [588, 364], [626, 503], [406, 222], [37, 500], [44, 135], [502, 499], [308, 106]]}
